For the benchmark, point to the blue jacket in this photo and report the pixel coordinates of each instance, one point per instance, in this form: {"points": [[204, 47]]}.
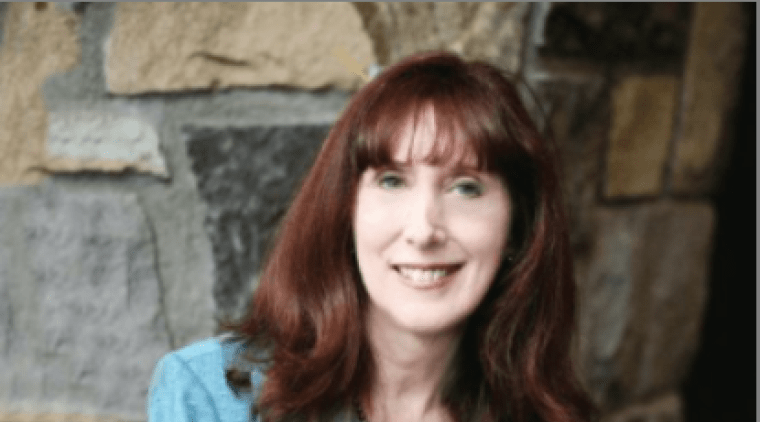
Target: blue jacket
{"points": [[189, 385]]}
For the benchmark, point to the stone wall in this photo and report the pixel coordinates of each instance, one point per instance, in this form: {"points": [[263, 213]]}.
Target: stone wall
{"points": [[149, 149]]}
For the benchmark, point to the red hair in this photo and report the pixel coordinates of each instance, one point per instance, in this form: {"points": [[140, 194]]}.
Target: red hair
{"points": [[513, 362]]}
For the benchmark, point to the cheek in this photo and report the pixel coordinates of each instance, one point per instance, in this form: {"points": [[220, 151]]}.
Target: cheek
{"points": [[489, 250], [370, 219], [485, 231], [368, 206], [375, 225]]}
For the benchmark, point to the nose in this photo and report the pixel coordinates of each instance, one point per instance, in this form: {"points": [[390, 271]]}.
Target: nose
{"points": [[424, 226]]}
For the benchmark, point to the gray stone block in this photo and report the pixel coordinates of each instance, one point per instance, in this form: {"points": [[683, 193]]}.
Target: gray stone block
{"points": [[80, 315], [3, 8], [643, 298], [105, 139], [87, 80], [247, 177]]}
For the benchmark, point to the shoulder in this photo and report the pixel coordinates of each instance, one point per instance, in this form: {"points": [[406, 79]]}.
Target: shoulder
{"points": [[203, 358], [190, 384]]}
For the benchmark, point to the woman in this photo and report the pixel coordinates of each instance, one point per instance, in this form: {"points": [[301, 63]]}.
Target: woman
{"points": [[422, 272]]}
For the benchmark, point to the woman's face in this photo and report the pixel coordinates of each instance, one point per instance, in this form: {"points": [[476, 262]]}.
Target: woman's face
{"points": [[429, 239]]}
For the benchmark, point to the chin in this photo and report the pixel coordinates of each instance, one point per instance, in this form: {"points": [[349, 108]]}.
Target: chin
{"points": [[419, 322]]}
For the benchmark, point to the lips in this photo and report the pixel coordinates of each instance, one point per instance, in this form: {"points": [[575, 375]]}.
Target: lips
{"points": [[434, 266]]}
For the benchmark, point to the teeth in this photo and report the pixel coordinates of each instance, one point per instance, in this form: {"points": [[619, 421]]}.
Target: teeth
{"points": [[419, 275]]}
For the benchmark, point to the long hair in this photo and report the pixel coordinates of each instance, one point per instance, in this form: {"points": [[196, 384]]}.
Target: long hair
{"points": [[513, 362]]}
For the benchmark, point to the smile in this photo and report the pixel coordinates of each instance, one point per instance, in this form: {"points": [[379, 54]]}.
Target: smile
{"points": [[427, 276]]}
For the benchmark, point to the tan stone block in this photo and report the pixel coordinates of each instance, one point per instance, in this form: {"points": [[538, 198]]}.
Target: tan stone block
{"points": [[38, 42], [711, 79], [491, 31], [180, 46], [668, 408], [57, 417], [643, 108], [641, 303]]}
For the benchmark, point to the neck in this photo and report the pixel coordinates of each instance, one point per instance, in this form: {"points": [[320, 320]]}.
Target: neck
{"points": [[410, 368]]}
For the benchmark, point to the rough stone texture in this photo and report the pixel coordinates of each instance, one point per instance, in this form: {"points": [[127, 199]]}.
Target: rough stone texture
{"points": [[58, 417], [3, 9], [487, 31], [247, 177], [643, 110], [642, 299], [172, 206], [103, 140], [86, 82], [578, 117], [178, 211], [83, 319], [578, 114], [710, 90], [180, 46], [70, 6], [38, 41], [618, 32], [668, 408], [184, 260]]}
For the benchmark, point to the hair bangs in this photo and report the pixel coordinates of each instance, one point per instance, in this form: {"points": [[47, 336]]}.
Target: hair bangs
{"points": [[468, 127]]}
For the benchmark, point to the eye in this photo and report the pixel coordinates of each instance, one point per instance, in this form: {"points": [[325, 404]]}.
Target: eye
{"points": [[389, 180], [468, 188]]}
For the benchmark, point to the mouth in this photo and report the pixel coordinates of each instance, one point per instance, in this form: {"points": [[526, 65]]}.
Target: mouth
{"points": [[426, 276]]}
